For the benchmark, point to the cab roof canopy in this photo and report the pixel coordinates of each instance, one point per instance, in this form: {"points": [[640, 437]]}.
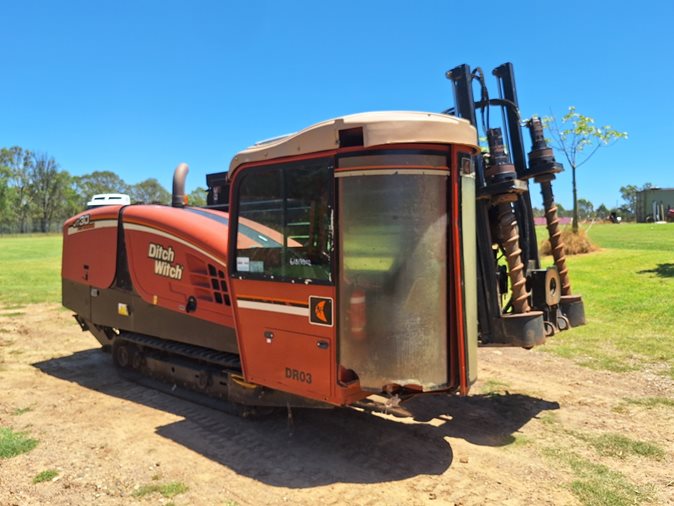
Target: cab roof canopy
{"points": [[364, 129]]}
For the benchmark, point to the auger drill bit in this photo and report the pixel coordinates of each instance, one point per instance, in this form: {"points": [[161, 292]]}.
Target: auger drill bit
{"points": [[509, 238], [542, 160], [555, 235], [507, 231]]}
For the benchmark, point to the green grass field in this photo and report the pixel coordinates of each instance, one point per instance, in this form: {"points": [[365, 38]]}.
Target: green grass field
{"points": [[627, 288], [31, 269]]}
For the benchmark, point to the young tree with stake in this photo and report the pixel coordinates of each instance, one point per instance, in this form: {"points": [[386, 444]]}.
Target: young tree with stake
{"points": [[577, 137]]}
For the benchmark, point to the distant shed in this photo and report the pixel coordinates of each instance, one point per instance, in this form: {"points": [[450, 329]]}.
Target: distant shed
{"points": [[653, 204]]}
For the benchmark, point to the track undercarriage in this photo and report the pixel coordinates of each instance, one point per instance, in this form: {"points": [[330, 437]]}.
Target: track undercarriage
{"points": [[199, 374]]}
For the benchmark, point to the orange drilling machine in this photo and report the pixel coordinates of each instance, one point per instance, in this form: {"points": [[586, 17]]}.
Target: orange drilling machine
{"points": [[368, 254]]}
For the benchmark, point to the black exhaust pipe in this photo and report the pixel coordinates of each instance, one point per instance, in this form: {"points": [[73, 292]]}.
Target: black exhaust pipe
{"points": [[179, 198]]}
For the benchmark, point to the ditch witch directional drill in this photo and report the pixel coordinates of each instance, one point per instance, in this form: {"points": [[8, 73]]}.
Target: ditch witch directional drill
{"points": [[366, 254]]}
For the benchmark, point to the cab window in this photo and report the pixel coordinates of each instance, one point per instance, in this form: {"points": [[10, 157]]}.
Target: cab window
{"points": [[284, 227]]}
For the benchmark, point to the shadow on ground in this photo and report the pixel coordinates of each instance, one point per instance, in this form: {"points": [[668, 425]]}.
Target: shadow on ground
{"points": [[661, 270], [319, 446]]}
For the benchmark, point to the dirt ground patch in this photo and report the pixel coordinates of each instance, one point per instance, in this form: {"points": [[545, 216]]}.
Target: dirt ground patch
{"points": [[108, 437]]}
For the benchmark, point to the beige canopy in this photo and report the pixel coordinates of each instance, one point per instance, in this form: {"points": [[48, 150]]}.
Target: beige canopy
{"points": [[379, 128]]}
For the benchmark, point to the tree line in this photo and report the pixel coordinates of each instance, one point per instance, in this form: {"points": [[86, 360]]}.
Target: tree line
{"points": [[36, 195], [588, 211]]}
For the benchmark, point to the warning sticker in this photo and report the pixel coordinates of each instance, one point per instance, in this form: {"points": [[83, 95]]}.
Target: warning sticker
{"points": [[320, 311]]}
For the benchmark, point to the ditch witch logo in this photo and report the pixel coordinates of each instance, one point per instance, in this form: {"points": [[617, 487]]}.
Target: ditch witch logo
{"points": [[163, 261]]}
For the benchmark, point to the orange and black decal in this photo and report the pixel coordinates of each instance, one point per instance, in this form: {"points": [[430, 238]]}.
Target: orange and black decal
{"points": [[320, 311]]}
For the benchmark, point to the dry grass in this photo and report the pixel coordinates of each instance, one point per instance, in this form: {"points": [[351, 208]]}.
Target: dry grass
{"points": [[168, 490], [574, 244]]}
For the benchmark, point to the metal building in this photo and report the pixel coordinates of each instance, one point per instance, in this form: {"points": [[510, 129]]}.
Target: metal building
{"points": [[654, 204]]}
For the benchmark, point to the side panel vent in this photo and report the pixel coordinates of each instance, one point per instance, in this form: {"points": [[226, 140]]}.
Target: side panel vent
{"points": [[219, 285]]}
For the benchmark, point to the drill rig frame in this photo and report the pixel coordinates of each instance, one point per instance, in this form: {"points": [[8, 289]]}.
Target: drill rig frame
{"points": [[540, 302]]}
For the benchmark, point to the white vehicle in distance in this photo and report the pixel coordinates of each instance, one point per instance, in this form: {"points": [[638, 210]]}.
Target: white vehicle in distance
{"points": [[109, 199]]}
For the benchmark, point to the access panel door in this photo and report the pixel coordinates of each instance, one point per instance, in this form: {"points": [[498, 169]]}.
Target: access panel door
{"points": [[282, 278]]}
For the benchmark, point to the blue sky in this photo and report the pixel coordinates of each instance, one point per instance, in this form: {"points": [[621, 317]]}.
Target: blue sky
{"points": [[137, 87]]}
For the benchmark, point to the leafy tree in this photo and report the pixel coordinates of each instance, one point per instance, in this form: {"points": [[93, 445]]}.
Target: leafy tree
{"points": [[197, 197], [72, 199], [48, 189], [99, 181], [149, 191], [585, 209], [577, 137], [33, 191], [16, 164], [602, 212], [629, 194], [6, 193]]}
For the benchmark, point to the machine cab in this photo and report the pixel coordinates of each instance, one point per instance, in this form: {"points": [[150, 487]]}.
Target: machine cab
{"points": [[349, 271]]}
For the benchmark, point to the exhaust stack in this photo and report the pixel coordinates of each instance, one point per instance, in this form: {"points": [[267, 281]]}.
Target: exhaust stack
{"points": [[179, 198]]}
